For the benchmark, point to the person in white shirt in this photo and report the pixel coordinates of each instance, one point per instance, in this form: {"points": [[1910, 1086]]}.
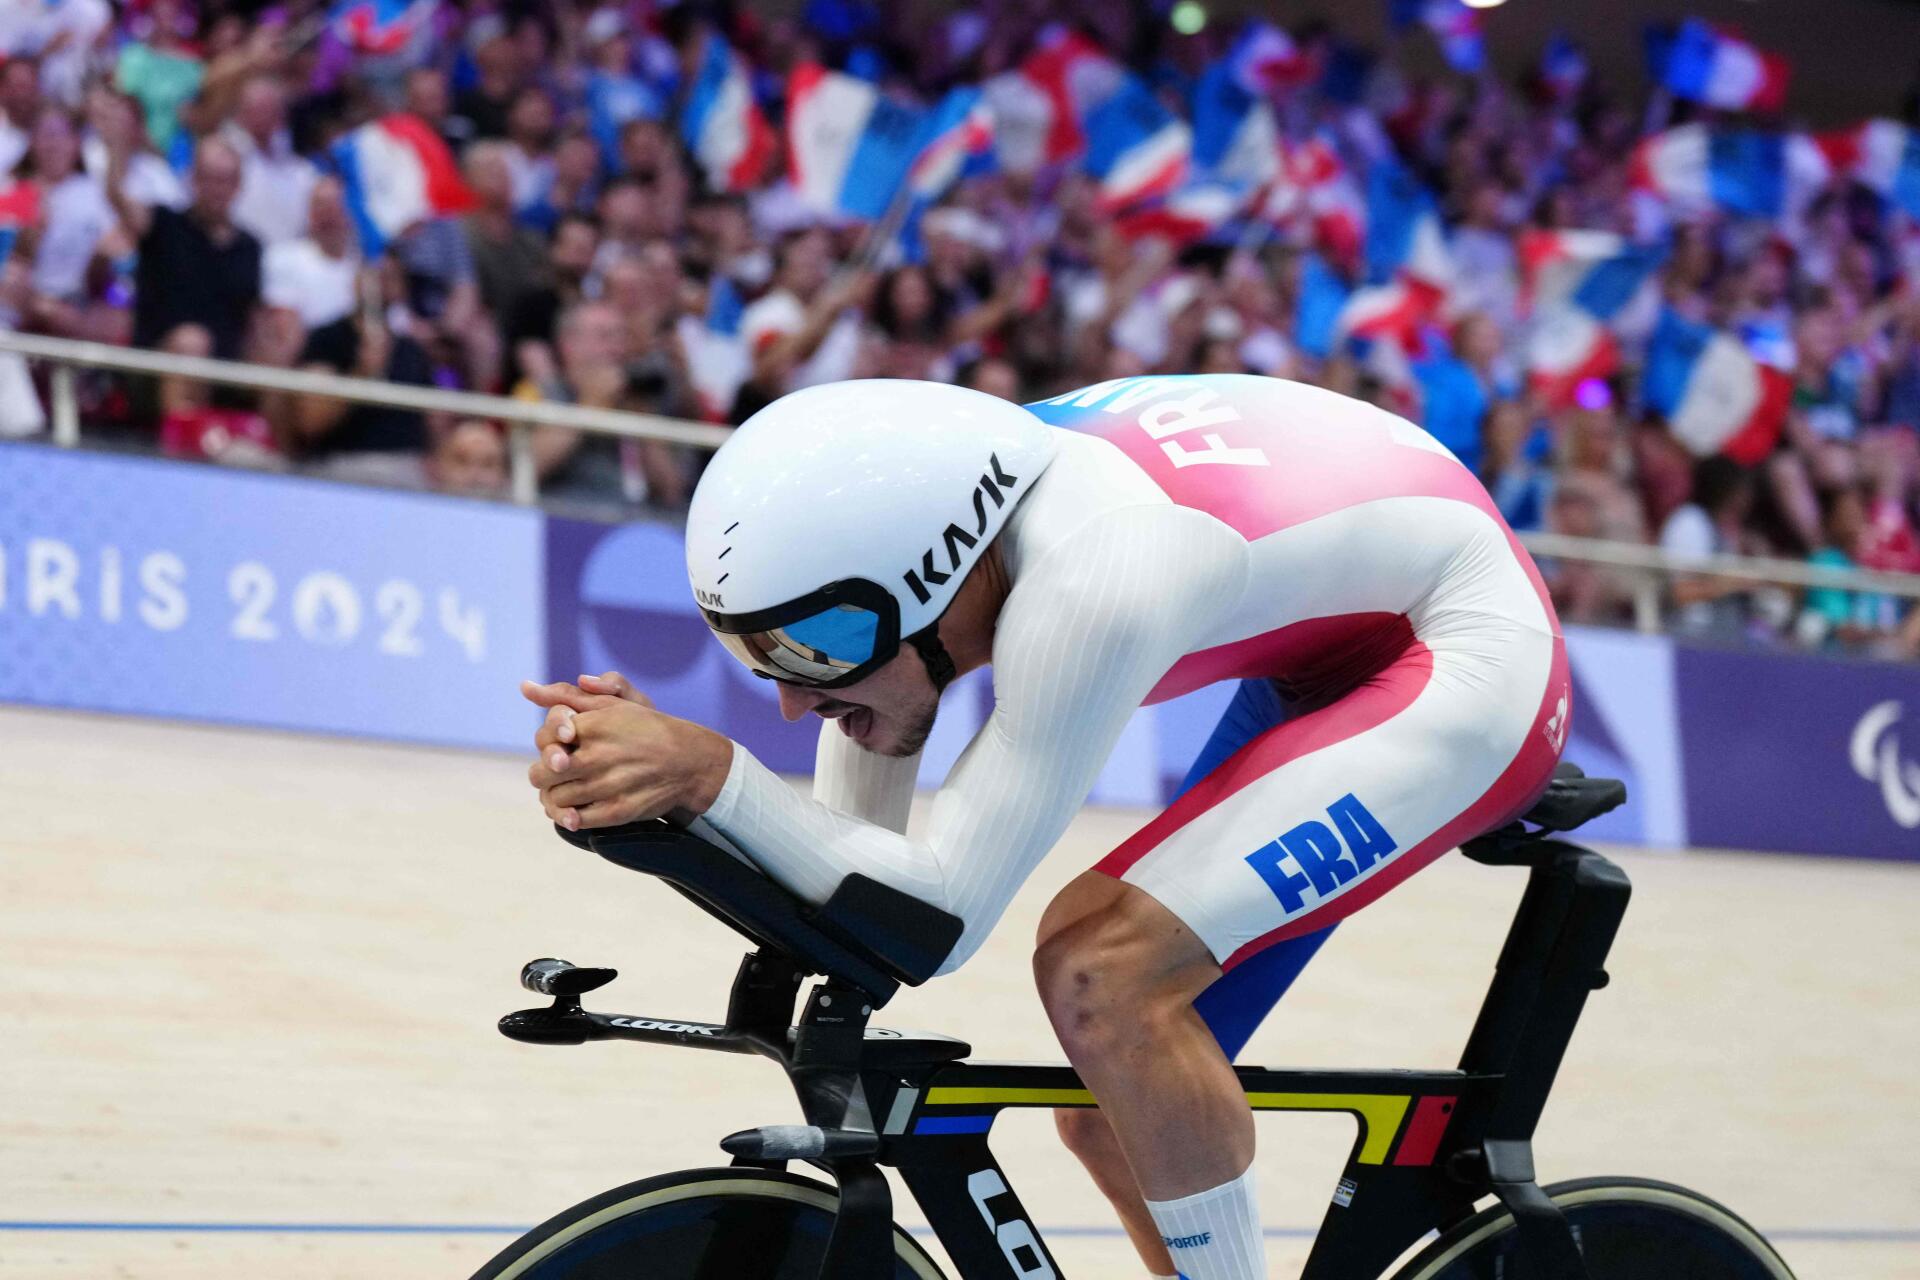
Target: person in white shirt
{"points": [[806, 329], [274, 181], [315, 275], [150, 180], [75, 212]]}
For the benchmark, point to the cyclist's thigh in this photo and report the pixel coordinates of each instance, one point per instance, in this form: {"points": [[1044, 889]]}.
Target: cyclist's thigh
{"points": [[1319, 815], [1234, 1007]]}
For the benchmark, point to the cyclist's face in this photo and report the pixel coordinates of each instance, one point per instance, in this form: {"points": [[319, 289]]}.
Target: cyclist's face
{"points": [[890, 713]]}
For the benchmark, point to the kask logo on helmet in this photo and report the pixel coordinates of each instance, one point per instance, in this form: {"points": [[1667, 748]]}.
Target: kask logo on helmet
{"points": [[994, 484]]}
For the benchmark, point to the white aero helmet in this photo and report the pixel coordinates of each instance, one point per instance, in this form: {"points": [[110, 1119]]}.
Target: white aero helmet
{"points": [[841, 520]]}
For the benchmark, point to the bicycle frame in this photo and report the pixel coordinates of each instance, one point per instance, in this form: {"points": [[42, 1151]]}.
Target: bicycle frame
{"points": [[1429, 1143]]}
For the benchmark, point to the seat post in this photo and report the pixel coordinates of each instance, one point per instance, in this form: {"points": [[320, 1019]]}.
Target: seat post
{"points": [[1552, 960]]}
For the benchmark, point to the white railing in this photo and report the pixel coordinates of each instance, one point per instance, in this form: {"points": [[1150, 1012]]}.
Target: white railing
{"points": [[1649, 566], [521, 416]]}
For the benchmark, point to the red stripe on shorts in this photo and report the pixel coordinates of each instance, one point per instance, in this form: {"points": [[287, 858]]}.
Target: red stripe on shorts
{"points": [[1382, 697], [1511, 795]]}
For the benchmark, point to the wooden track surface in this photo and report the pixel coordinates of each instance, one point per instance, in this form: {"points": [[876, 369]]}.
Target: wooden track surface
{"points": [[248, 978]]}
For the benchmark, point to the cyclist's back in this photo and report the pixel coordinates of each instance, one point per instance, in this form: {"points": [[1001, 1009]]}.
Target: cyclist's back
{"points": [[1404, 678]]}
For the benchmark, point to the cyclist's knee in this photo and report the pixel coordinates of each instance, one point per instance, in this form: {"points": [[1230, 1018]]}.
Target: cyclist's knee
{"points": [[1108, 976]]}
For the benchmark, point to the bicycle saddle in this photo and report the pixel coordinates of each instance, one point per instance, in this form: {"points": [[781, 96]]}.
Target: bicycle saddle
{"points": [[1571, 800]]}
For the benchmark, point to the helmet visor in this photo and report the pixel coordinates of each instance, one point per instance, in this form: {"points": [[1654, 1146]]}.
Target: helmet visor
{"points": [[825, 639]]}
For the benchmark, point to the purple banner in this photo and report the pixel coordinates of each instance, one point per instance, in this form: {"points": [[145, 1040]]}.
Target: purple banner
{"points": [[1799, 754]]}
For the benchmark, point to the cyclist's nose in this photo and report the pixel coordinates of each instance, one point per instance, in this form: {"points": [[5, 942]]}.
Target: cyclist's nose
{"points": [[796, 702]]}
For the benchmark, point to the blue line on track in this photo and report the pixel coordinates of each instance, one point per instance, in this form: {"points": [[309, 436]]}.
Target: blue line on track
{"points": [[1849, 1235]]}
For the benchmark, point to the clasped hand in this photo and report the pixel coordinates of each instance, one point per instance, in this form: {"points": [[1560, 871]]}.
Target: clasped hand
{"points": [[607, 756]]}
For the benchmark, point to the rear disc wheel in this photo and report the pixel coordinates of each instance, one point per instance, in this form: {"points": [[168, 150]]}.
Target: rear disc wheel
{"points": [[1627, 1228], [698, 1224]]}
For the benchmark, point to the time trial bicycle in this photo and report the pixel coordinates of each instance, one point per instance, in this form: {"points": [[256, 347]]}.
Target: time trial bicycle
{"points": [[1446, 1154]]}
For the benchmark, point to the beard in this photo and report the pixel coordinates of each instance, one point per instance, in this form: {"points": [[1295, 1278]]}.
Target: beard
{"points": [[916, 726]]}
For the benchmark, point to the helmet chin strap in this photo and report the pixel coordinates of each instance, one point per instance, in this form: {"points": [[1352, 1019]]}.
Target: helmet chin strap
{"points": [[939, 662]]}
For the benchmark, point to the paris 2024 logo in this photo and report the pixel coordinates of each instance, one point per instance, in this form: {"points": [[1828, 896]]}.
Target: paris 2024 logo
{"points": [[1877, 757]]}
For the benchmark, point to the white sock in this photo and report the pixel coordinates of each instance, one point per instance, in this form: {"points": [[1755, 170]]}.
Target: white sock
{"points": [[1214, 1235]]}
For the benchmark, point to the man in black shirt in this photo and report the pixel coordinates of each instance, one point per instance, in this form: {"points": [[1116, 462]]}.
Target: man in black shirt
{"points": [[196, 267]]}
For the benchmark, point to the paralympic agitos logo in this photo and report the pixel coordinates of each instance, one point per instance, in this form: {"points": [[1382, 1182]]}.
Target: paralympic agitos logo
{"points": [[1876, 756], [994, 485]]}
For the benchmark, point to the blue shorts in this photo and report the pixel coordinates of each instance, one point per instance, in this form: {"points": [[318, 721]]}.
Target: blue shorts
{"points": [[1241, 1000]]}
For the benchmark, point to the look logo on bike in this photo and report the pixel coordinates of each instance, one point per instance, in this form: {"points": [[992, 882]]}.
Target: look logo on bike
{"points": [[1402, 687]]}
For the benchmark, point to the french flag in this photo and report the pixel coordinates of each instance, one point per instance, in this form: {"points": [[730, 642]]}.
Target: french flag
{"points": [[721, 123], [19, 210], [1331, 200], [1395, 312], [717, 361], [1404, 234], [1235, 134], [1598, 272], [1715, 396], [1453, 24], [1075, 76], [1565, 347], [1742, 171], [1265, 62], [1189, 213], [1704, 63], [380, 28], [1319, 301], [397, 171], [1881, 155], [957, 136], [849, 147], [1574, 284], [1136, 148]]}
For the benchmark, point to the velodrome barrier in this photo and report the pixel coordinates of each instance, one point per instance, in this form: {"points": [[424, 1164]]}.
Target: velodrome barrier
{"points": [[148, 587]]}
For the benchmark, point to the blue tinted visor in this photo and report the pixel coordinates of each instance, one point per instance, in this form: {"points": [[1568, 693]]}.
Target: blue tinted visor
{"points": [[824, 638]]}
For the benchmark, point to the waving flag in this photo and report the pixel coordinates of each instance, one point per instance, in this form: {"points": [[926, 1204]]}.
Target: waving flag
{"points": [[1136, 148], [1319, 300], [380, 28], [1452, 23], [1396, 311], [956, 136], [1075, 76], [1742, 171], [1881, 155], [1574, 284], [1704, 63], [19, 210], [1597, 271], [1186, 214], [717, 361], [721, 123], [1235, 134], [1714, 395], [848, 146], [397, 171], [1404, 235], [1265, 62]]}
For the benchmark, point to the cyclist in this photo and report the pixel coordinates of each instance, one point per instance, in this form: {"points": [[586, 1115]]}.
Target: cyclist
{"points": [[1403, 686]]}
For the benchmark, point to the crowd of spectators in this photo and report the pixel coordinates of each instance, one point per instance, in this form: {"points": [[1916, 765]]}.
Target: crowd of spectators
{"points": [[167, 167]]}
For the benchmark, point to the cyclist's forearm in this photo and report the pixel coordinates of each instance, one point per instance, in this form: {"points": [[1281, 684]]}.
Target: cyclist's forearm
{"points": [[808, 846]]}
